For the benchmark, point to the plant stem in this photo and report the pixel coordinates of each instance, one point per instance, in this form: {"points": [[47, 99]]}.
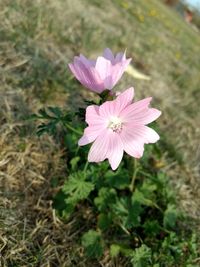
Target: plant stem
{"points": [[85, 167], [124, 229], [135, 171], [72, 129]]}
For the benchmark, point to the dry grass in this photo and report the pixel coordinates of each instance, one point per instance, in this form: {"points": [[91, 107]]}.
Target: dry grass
{"points": [[35, 47]]}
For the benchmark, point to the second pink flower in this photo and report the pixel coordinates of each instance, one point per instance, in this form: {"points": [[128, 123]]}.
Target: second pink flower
{"points": [[101, 74]]}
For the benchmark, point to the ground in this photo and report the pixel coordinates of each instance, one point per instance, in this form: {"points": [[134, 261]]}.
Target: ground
{"points": [[37, 41]]}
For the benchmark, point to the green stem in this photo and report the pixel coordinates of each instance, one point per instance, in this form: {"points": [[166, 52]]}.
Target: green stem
{"points": [[124, 229], [72, 129], [86, 166], [77, 149], [135, 171]]}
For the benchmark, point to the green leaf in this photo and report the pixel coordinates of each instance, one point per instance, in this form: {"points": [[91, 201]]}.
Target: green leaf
{"points": [[104, 221], [146, 194], [55, 111], [134, 216], [63, 209], [74, 162], [119, 179], [114, 250], [126, 212], [140, 198], [106, 197], [51, 117], [76, 188], [151, 228], [148, 187], [141, 257], [92, 243], [170, 217]]}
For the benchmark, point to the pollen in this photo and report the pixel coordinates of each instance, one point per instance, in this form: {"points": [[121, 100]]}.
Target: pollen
{"points": [[115, 124]]}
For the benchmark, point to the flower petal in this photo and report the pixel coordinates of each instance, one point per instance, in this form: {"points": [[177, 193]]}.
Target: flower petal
{"points": [[113, 108], [124, 99], [136, 107], [87, 62], [120, 56], [140, 133], [132, 145], [116, 151], [140, 113], [90, 134], [99, 150], [147, 116], [107, 145], [149, 135], [108, 55], [103, 67], [87, 75], [118, 70], [92, 114]]}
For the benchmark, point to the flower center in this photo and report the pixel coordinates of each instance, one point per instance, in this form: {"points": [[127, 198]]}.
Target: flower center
{"points": [[115, 124]]}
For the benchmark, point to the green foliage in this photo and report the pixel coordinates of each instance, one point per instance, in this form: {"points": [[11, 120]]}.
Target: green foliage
{"points": [[170, 217], [105, 198], [119, 179], [52, 117], [145, 194], [133, 209], [77, 188], [93, 244], [114, 250], [141, 257], [104, 221]]}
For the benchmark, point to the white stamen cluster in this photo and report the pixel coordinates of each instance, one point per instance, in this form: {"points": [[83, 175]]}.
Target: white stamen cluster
{"points": [[115, 124]]}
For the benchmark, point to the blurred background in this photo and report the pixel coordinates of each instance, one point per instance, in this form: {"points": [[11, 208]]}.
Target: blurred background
{"points": [[37, 41]]}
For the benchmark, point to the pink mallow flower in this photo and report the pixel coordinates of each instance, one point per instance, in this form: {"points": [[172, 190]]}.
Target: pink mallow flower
{"points": [[100, 74], [117, 126]]}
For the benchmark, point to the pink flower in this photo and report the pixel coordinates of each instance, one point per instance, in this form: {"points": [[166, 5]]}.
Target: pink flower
{"points": [[100, 74], [117, 126]]}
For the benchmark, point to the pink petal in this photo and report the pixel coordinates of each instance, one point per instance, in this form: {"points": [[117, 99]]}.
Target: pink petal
{"points": [[135, 136], [108, 55], [140, 113], [124, 99], [90, 134], [87, 76], [139, 105], [107, 109], [92, 116], [103, 67], [119, 57], [142, 117], [140, 133], [87, 62], [107, 145], [149, 115], [118, 70], [116, 151], [150, 135], [90, 77], [99, 150], [113, 108], [74, 70], [132, 145]]}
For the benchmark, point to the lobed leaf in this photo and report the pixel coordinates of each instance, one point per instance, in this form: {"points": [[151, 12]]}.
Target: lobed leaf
{"points": [[93, 244], [77, 188]]}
